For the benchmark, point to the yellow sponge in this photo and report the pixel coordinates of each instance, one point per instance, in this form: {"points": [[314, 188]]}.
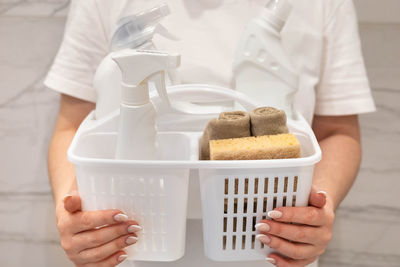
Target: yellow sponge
{"points": [[279, 146]]}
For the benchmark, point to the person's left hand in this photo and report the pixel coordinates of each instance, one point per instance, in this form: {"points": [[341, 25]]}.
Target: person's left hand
{"points": [[302, 242]]}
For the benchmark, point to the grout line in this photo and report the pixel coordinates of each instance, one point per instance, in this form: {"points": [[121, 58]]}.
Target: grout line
{"points": [[378, 89], [25, 193]]}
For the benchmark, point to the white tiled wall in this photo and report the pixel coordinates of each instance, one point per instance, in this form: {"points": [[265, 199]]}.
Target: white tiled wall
{"points": [[378, 11], [28, 236], [367, 229]]}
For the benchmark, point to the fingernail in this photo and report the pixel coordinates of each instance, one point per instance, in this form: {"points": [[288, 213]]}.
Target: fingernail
{"points": [[270, 260], [134, 228], [322, 192], [274, 214], [122, 258], [263, 238], [263, 227], [66, 197], [120, 217], [131, 240]]}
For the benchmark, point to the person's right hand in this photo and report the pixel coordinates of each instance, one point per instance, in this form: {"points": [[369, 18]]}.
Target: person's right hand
{"points": [[94, 238]]}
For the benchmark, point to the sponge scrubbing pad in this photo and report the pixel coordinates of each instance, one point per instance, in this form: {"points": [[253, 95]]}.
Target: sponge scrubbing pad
{"points": [[278, 146]]}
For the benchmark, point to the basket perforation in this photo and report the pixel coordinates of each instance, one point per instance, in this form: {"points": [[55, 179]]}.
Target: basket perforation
{"points": [[246, 201], [285, 186], [144, 199]]}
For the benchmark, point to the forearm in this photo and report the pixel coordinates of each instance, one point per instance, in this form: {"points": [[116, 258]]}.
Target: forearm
{"points": [[336, 172], [340, 142], [61, 171]]}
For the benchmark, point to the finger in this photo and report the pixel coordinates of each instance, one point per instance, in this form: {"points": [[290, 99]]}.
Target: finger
{"points": [[282, 261], [317, 198], [293, 232], [301, 215], [72, 202], [97, 237], [103, 252], [295, 251], [113, 260], [88, 220]]}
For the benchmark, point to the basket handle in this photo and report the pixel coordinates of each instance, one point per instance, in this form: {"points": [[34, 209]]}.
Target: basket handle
{"points": [[183, 95]]}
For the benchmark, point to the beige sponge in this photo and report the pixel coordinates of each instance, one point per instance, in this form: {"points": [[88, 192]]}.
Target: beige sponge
{"points": [[279, 146]]}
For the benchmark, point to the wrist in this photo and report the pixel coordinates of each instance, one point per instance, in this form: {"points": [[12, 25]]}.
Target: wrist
{"points": [[59, 210], [330, 203], [59, 198], [63, 191]]}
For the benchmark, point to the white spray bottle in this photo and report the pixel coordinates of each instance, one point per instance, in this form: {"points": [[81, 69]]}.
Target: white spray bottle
{"points": [[137, 123], [133, 32], [261, 66]]}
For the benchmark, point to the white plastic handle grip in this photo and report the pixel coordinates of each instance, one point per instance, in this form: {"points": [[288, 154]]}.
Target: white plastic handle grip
{"points": [[202, 93]]}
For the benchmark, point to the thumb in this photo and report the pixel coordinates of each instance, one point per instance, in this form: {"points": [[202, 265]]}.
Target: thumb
{"points": [[72, 202], [317, 198]]}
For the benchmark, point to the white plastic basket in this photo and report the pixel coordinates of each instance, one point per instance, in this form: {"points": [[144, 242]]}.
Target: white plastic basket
{"points": [[154, 196], [236, 197], [155, 192]]}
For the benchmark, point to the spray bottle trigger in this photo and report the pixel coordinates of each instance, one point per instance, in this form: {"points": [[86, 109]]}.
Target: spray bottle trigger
{"points": [[157, 80]]}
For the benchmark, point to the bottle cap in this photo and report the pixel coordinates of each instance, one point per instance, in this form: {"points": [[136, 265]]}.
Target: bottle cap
{"points": [[133, 31], [280, 8]]}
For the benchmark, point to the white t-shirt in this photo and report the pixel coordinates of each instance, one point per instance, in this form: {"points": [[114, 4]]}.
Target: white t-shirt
{"points": [[321, 37]]}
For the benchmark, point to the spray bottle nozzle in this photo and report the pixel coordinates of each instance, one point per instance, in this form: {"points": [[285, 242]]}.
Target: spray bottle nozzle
{"points": [[134, 31], [138, 68]]}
